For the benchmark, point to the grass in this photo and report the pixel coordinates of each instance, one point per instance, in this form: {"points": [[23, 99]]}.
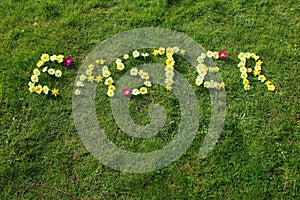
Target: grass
{"points": [[257, 155]]}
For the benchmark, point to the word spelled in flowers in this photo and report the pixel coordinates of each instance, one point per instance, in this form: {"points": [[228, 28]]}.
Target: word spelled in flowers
{"points": [[202, 70], [34, 85]]}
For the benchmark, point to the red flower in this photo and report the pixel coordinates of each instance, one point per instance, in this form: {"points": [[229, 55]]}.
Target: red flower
{"points": [[222, 54], [126, 91], [68, 61]]}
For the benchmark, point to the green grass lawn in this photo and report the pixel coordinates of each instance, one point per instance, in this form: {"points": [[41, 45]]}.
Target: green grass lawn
{"points": [[257, 155]]}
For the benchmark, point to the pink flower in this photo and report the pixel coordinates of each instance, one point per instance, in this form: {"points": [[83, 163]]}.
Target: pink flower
{"points": [[68, 61], [126, 92], [222, 54]]}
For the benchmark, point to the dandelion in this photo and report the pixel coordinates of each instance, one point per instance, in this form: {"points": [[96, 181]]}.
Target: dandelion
{"points": [[125, 56], [90, 78], [147, 83], [155, 52], [77, 92], [82, 77], [60, 58], [262, 78], [120, 66], [45, 89], [36, 71], [136, 54], [110, 93], [45, 57], [143, 90], [256, 72], [35, 78], [126, 91], [53, 58], [109, 81], [222, 54], [168, 87], [38, 89], [51, 71], [68, 61], [271, 87], [40, 63], [99, 79], [58, 73], [133, 71], [135, 91], [161, 50]]}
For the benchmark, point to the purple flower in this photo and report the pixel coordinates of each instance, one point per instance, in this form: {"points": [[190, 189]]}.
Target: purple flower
{"points": [[68, 61], [126, 92], [222, 54]]}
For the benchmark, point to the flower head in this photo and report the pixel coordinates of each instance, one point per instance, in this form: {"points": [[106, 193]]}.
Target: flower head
{"points": [[143, 90], [109, 81], [222, 54], [125, 56], [120, 66], [51, 71], [136, 54], [53, 58], [45, 57], [135, 91], [134, 71], [45, 89], [40, 63], [110, 93], [35, 78], [68, 61], [38, 89], [271, 87], [60, 58], [77, 92], [54, 92], [126, 92], [58, 73], [36, 71]]}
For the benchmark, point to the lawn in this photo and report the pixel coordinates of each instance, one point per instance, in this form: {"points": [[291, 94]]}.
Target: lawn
{"points": [[257, 155]]}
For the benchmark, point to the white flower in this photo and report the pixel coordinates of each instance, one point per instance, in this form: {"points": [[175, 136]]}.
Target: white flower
{"points": [[145, 55], [53, 58], [82, 77], [209, 54], [35, 78], [169, 74], [147, 84], [77, 92], [32, 88], [199, 80], [125, 56], [106, 73], [120, 66], [169, 81], [134, 71], [44, 69], [104, 68], [45, 89], [135, 91], [51, 71], [108, 81], [91, 67], [176, 49], [79, 84], [135, 54], [118, 61], [36, 71], [110, 93], [58, 73]]}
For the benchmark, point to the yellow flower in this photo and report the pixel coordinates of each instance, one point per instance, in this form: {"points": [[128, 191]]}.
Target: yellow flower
{"points": [[141, 72], [91, 67], [40, 63], [213, 69], [271, 87], [246, 87], [169, 81], [60, 58], [155, 52], [209, 54], [136, 54], [161, 51], [101, 61], [110, 93], [45, 57], [97, 61], [45, 89], [169, 67], [268, 83], [147, 84], [91, 78], [111, 87], [222, 85], [32, 88], [240, 65], [215, 55], [51, 71], [262, 78], [248, 55], [143, 90], [77, 92], [35, 78], [169, 74], [106, 73], [134, 71], [89, 72], [168, 87], [82, 77], [58, 73], [170, 50], [104, 68], [135, 91], [170, 61], [256, 72], [118, 61], [30, 84], [249, 70], [242, 56], [245, 81], [243, 70], [259, 62], [182, 51], [120, 66], [200, 59], [207, 84], [38, 89], [44, 69], [36, 71], [199, 80], [145, 76], [53, 58], [244, 75], [169, 55], [202, 69], [109, 81], [55, 92], [99, 79]]}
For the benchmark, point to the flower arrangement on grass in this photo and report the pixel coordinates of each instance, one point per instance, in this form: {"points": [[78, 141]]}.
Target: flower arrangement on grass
{"points": [[35, 86], [170, 64]]}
